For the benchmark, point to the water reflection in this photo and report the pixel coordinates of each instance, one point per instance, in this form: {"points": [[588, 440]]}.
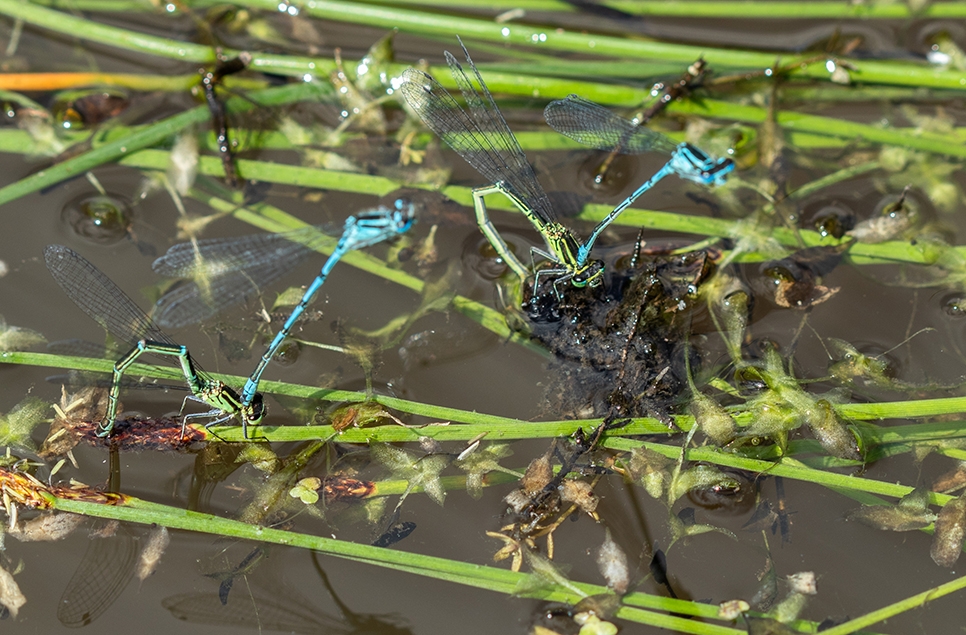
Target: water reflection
{"points": [[268, 604], [102, 575]]}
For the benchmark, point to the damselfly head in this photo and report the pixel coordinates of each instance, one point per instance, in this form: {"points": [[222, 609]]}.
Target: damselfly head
{"points": [[404, 214], [592, 274], [254, 413], [716, 175]]}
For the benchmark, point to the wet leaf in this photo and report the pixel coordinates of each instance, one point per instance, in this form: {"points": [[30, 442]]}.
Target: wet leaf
{"points": [[803, 582], [700, 476], [365, 114], [538, 475], [10, 595], [580, 493], [16, 338], [183, 162], [327, 160], [767, 591], [795, 277], [483, 460], [17, 425], [944, 51], [712, 419], [260, 456], [288, 298], [686, 527], [154, 547], [651, 469], [423, 472], [896, 215], [590, 624], [612, 564], [373, 71], [47, 527], [853, 365], [912, 512], [307, 490], [952, 480], [947, 542], [732, 609], [791, 605], [545, 575], [833, 435], [359, 415]]}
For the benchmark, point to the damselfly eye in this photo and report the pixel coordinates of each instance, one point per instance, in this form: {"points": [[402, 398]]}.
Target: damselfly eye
{"points": [[258, 409]]}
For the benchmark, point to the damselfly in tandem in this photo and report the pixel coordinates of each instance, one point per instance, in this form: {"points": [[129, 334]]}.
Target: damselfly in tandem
{"points": [[110, 307], [480, 135]]}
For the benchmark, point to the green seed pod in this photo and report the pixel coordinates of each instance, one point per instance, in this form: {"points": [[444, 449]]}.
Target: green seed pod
{"points": [[712, 419], [947, 543], [833, 435], [912, 512]]}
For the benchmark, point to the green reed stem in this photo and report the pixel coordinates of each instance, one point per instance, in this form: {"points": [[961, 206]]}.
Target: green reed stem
{"points": [[135, 510], [860, 253], [854, 411], [787, 467], [690, 9], [146, 137], [869, 71], [913, 602], [724, 9]]}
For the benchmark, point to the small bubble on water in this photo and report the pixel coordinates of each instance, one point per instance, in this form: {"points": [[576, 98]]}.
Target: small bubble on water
{"points": [[954, 305], [101, 218]]}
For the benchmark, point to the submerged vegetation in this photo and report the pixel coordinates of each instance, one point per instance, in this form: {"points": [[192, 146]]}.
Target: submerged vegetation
{"points": [[779, 362]]}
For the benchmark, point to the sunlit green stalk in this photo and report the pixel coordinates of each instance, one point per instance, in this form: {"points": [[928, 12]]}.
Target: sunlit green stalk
{"points": [[787, 467], [479, 576], [146, 137], [92, 31], [560, 39], [690, 9], [855, 411], [898, 73], [860, 253], [725, 9], [914, 602]]}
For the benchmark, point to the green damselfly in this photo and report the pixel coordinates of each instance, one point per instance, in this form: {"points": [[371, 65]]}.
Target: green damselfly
{"points": [[480, 135], [110, 307]]}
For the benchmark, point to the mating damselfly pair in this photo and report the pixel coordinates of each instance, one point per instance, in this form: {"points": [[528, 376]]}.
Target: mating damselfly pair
{"points": [[480, 135], [110, 307]]}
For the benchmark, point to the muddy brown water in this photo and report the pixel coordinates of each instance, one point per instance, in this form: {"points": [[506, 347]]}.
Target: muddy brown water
{"points": [[458, 364]]}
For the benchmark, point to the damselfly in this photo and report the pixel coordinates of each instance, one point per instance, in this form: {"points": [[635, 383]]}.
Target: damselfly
{"points": [[482, 137], [219, 273], [592, 124], [110, 307], [362, 230], [223, 272]]}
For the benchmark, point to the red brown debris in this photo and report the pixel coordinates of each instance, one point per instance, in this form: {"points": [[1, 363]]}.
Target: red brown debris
{"points": [[24, 489], [131, 434], [346, 489]]}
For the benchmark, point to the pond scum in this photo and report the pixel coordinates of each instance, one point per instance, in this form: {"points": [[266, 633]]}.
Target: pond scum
{"points": [[662, 378]]}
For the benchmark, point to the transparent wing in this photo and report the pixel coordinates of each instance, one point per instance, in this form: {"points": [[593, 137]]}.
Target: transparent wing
{"points": [[480, 135], [593, 125]]}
